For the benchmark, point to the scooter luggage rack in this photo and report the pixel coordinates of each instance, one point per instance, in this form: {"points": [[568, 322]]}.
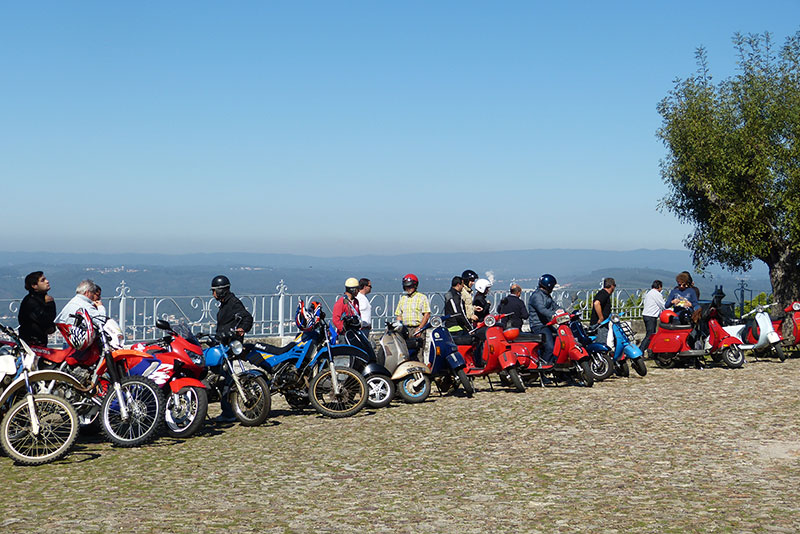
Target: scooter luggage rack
{"points": [[626, 329]]}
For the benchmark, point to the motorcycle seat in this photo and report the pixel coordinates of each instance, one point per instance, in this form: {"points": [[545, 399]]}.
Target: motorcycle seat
{"points": [[671, 326], [527, 337], [272, 349]]}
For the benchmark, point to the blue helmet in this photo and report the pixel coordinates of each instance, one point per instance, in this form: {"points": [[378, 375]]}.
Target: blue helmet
{"points": [[547, 281]]}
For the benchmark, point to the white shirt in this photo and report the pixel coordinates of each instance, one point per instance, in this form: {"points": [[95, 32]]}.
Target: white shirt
{"points": [[653, 303], [365, 308]]}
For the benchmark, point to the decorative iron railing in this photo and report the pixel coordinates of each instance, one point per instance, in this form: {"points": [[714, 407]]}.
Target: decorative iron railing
{"points": [[273, 314]]}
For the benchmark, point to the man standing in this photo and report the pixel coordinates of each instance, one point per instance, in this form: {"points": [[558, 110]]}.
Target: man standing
{"points": [[468, 277], [37, 311], [513, 304], [364, 306], [457, 324], [601, 308], [652, 306], [233, 319], [413, 310]]}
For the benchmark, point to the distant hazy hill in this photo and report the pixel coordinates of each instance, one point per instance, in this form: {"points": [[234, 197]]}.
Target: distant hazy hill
{"points": [[190, 274]]}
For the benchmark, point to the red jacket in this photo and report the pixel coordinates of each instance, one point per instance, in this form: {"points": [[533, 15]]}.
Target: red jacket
{"points": [[344, 307]]}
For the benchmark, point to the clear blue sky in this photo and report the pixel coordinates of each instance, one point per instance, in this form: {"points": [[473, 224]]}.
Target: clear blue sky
{"points": [[348, 127]]}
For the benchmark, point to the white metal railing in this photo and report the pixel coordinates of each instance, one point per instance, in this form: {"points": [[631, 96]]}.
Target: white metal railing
{"points": [[273, 313]]}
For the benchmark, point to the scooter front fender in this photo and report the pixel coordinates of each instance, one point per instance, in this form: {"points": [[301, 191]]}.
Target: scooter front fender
{"points": [[632, 351], [773, 337], [409, 368], [375, 369], [507, 359], [455, 360], [185, 382]]}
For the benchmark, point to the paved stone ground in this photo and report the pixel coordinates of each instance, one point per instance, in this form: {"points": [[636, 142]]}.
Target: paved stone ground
{"points": [[680, 450]]}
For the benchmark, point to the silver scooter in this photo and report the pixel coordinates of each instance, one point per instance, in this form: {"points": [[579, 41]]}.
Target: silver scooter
{"points": [[768, 339]]}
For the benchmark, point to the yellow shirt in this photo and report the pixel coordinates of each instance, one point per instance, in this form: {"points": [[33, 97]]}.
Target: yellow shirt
{"points": [[412, 308]]}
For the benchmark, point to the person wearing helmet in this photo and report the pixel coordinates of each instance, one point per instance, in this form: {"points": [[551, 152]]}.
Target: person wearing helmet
{"points": [[346, 305], [233, 319], [480, 302], [457, 324], [413, 310], [469, 276], [541, 308]]}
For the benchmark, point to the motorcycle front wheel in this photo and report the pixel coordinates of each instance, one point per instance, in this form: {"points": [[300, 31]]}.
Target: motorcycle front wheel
{"points": [[639, 366], [411, 391], [516, 381], [779, 351], [349, 401], [602, 366], [186, 412], [586, 373], [58, 428], [145, 406], [622, 368], [469, 389], [381, 391], [733, 356], [252, 409]]}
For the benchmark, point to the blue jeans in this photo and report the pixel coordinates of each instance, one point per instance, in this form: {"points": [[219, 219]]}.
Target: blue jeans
{"points": [[546, 355]]}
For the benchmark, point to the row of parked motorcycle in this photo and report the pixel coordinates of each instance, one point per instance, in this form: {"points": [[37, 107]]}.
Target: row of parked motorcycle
{"points": [[134, 394]]}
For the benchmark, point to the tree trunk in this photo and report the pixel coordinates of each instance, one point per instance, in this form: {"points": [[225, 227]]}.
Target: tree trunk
{"points": [[784, 274]]}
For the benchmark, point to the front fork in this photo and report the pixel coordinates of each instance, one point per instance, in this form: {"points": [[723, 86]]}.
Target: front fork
{"points": [[334, 377], [116, 377]]}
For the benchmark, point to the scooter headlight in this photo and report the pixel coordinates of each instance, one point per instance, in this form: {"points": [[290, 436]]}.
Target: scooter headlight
{"points": [[796, 306], [615, 318], [489, 321], [236, 347], [436, 322]]}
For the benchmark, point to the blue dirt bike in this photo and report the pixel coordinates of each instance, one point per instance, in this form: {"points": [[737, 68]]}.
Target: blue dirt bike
{"points": [[312, 370]]}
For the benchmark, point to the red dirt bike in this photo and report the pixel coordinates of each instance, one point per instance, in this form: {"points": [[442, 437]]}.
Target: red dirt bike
{"points": [[496, 353], [572, 361], [673, 343], [128, 409], [176, 364]]}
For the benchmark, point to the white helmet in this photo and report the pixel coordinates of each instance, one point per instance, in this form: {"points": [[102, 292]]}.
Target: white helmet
{"points": [[482, 284]]}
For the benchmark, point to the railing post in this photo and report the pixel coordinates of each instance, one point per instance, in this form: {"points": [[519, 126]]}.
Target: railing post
{"points": [[122, 292], [281, 287]]}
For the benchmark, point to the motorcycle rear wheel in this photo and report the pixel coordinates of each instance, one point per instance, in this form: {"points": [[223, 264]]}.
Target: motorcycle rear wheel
{"points": [[145, 404], [352, 393], [57, 431], [253, 409], [187, 418], [664, 360], [639, 366]]}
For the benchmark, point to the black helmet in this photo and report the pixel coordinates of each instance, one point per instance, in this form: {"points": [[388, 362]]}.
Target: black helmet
{"points": [[220, 282], [547, 281], [469, 276]]}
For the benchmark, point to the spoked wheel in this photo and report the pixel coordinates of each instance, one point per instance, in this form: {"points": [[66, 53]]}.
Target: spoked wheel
{"points": [[639, 366], [415, 388], [469, 389], [252, 409], [602, 366], [664, 360], [186, 411], [381, 391], [733, 356], [622, 368], [352, 394], [58, 428], [145, 406]]}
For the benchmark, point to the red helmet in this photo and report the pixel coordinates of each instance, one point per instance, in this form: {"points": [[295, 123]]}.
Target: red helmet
{"points": [[666, 315], [410, 280]]}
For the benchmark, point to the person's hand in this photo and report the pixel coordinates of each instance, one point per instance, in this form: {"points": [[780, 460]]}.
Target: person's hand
{"points": [[48, 298], [240, 331], [479, 308], [98, 304]]}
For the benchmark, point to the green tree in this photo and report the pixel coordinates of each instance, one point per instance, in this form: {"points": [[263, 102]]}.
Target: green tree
{"points": [[733, 161]]}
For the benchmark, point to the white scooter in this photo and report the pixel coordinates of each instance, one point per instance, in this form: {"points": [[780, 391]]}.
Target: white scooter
{"points": [[759, 335]]}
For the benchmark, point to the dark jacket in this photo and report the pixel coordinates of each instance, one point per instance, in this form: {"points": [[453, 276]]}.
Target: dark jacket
{"points": [[512, 304], [36, 318], [480, 300], [541, 308], [229, 307], [454, 305]]}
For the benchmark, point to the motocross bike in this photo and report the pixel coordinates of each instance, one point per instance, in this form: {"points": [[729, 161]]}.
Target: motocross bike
{"points": [[313, 370], [36, 428], [177, 366], [130, 409]]}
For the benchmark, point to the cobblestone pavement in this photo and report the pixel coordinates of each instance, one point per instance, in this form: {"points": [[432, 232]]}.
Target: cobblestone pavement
{"points": [[680, 450]]}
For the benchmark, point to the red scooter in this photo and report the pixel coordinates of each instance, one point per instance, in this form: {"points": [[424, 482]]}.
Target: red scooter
{"points": [[788, 326], [496, 353], [672, 343], [571, 359]]}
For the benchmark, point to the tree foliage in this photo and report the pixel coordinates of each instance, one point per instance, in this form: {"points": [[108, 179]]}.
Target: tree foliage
{"points": [[733, 160]]}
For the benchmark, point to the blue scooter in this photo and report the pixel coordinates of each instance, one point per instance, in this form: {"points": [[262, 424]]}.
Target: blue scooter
{"points": [[624, 348], [443, 359], [602, 365]]}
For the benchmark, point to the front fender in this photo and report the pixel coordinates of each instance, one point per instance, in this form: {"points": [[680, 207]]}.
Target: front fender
{"points": [[38, 376], [185, 382], [455, 360], [410, 367], [507, 359], [632, 351], [375, 369]]}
